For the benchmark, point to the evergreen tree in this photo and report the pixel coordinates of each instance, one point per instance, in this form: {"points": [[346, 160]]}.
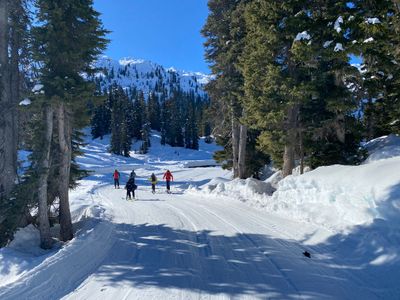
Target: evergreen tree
{"points": [[154, 111], [225, 32], [296, 71], [14, 42], [376, 31], [121, 138], [165, 115], [73, 36], [139, 114], [101, 121], [146, 133]]}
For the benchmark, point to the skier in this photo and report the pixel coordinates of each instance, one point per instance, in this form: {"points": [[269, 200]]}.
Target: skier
{"points": [[153, 180], [130, 188], [133, 174], [168, 177], [116, 178]]}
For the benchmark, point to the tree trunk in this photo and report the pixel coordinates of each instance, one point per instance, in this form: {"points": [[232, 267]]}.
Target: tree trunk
{"points": [[340, 128], [301, 151], [16, 39], [44, 226], [242, 152], [65, 143], [8, 153], [290, 145], [235, 146]]}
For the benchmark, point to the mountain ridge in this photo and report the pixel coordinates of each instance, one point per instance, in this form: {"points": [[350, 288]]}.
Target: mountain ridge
{"points": [[147, 76]]}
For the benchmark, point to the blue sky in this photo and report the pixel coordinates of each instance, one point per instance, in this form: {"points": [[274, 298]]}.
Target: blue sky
{"points": [[163, 31]]}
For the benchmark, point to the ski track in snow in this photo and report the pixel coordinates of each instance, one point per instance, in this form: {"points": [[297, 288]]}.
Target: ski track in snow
{"points": [[184, 246]]}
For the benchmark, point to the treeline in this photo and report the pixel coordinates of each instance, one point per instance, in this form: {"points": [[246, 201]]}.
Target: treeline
{"points": [[129, 116], [286, 86], [55, 51]]}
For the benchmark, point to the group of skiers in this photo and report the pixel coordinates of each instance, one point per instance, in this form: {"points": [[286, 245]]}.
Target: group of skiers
{"points": [[131, 186]]}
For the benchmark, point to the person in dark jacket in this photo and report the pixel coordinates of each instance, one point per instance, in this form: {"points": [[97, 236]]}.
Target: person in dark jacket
{"points": [[116, 178], [130, 188], [168, 178]]}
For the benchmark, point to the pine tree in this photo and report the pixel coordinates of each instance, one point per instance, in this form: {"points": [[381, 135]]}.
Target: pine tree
{"points": [[146, 133], [224, 31], [154, 111], [164, 117], [73, 36], [376, 34], [13, 34], [296, 71], [14, 44], [101, 121], [139, 112], [121, 123]]}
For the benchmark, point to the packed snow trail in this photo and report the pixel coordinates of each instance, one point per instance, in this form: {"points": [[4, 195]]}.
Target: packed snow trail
{"points": [[184, 245], [180, 247]]}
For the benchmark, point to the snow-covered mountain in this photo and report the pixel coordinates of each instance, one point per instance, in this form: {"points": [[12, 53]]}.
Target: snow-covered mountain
{"points": [[147, 76]]}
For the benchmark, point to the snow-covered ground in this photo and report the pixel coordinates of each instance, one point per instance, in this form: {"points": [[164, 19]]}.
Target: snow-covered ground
{"points": [[214, 238]]}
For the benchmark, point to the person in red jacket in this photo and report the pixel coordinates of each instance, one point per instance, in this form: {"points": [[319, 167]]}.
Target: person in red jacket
{"points": [[116, 179], [168, 178]]}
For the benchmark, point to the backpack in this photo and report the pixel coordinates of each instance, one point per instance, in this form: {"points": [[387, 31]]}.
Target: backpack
{"points": [[134, 186]]}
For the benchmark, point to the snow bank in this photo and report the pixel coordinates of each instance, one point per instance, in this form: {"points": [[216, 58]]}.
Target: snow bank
{"points": [[383, 147], [199, 163], [340, 196], [27, 240], [249, 190], [335, 197]]}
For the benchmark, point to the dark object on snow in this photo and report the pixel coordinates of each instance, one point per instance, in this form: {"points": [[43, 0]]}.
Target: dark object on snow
{"points": [[307, 254], [130, 188]]}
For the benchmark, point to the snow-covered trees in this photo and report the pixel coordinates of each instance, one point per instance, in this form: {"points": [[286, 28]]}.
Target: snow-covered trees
{"points": [[285, 70]]}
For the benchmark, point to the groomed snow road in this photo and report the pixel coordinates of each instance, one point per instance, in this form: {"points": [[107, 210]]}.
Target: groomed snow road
{"points": [[181, 246], [185, 246]]}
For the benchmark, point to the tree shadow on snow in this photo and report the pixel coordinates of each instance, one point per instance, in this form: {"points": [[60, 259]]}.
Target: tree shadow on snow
{"points": [[253, 264]]}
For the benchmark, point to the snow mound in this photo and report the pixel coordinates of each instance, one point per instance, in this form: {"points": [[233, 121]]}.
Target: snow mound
{"points": [[383, 147], [337, 197], [248, 190], [199, 163], [27, 240]]}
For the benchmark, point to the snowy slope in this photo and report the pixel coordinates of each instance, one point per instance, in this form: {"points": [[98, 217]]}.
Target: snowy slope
{"points": [[200, 244], [148, 76]]}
